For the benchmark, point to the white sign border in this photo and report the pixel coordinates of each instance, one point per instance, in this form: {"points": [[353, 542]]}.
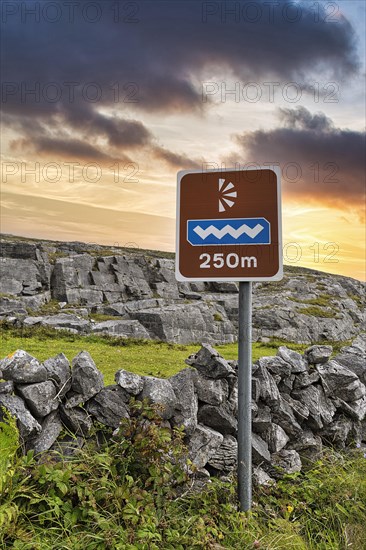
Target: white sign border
{"points": [[278, 276]]}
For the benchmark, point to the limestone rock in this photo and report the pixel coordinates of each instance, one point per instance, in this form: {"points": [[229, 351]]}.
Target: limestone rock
{"points": [[268, 388], [308, 445], [318, 354], [355, 363], [186, 407], [210, 363], [218, 418], [86, 380], [159, 392], [58, 370], [66, 321], [306, 379], [51, 429], [122, 328], [275, 437], [202, 445], [22, 368], [276, 366], [260, 477], [337, 433], [129, 381], [287, 461], [109, 406], [6, 387], [300, 409], [27, 424], [226, 456], [321, 409], [339, 381], [283, 415], [210, 391], [354, 409], [260, 452], [262, 420], [40, 398], [76, 420], [297, 362]]}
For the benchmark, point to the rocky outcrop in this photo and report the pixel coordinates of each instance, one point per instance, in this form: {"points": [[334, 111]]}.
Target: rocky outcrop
{"points": [[300, 402], [138, 292]]}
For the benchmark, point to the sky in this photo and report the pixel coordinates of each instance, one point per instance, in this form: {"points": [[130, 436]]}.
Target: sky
{"points": [[103, 102]]}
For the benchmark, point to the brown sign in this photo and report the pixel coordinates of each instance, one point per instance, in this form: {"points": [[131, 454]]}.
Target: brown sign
{"points": [[229, 225]]}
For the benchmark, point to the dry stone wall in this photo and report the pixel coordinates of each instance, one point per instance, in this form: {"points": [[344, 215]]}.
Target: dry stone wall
{"points": [[300, 403], [139, 293]]}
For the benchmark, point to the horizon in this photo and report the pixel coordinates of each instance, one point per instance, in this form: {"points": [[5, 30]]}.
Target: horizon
{"points": [[104, 102], [128, 246]]}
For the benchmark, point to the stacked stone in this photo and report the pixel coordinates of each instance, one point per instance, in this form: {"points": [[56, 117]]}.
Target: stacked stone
{"points": [[300, 402]]}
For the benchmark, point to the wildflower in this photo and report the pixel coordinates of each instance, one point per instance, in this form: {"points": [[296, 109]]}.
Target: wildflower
{"points": [[289, 508]]}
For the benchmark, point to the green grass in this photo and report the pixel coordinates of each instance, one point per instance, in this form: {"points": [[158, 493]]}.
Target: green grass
{"points": [[111, 354], [123, 496], [101, 317], [315, 311], [360, 301], [322, 300]]}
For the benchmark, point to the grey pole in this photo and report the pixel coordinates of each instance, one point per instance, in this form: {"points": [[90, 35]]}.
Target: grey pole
{"points": [[245, 397]]}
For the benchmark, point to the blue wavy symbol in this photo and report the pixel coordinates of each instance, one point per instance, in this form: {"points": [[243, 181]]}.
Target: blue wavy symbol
{"points": [[229, 231]]}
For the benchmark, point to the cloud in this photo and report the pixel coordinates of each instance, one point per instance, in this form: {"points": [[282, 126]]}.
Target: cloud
{"points": [[302, 118], [319, 162], [154, 59], [176, 160], [77, 81]]}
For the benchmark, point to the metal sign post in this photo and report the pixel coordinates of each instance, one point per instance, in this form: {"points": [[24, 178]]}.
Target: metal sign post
{"points": [[229, 229], [245, 397]]}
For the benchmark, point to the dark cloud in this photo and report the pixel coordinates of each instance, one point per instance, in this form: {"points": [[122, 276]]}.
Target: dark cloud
{"points": [[302, 118], [167, 49], [62, 75], [175, 160], [319, 161]]}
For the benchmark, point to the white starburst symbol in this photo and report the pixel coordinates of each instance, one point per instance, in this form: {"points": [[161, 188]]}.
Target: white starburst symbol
{"points": [[226, 190]]}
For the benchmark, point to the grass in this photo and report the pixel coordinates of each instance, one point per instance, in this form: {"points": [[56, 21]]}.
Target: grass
{"points": [[111, 354], [322, 300], [123, 496], [100, 317], [360, 301], [315, 311], [145, 357]]}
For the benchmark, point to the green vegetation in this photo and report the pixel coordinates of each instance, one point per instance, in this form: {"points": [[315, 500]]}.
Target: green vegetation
{"points": [[50, 308], [133, 493], [217, 316], [323, 300], [110, 354], [53, 256], [360, 301], [5, 295], [315, 311]]}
